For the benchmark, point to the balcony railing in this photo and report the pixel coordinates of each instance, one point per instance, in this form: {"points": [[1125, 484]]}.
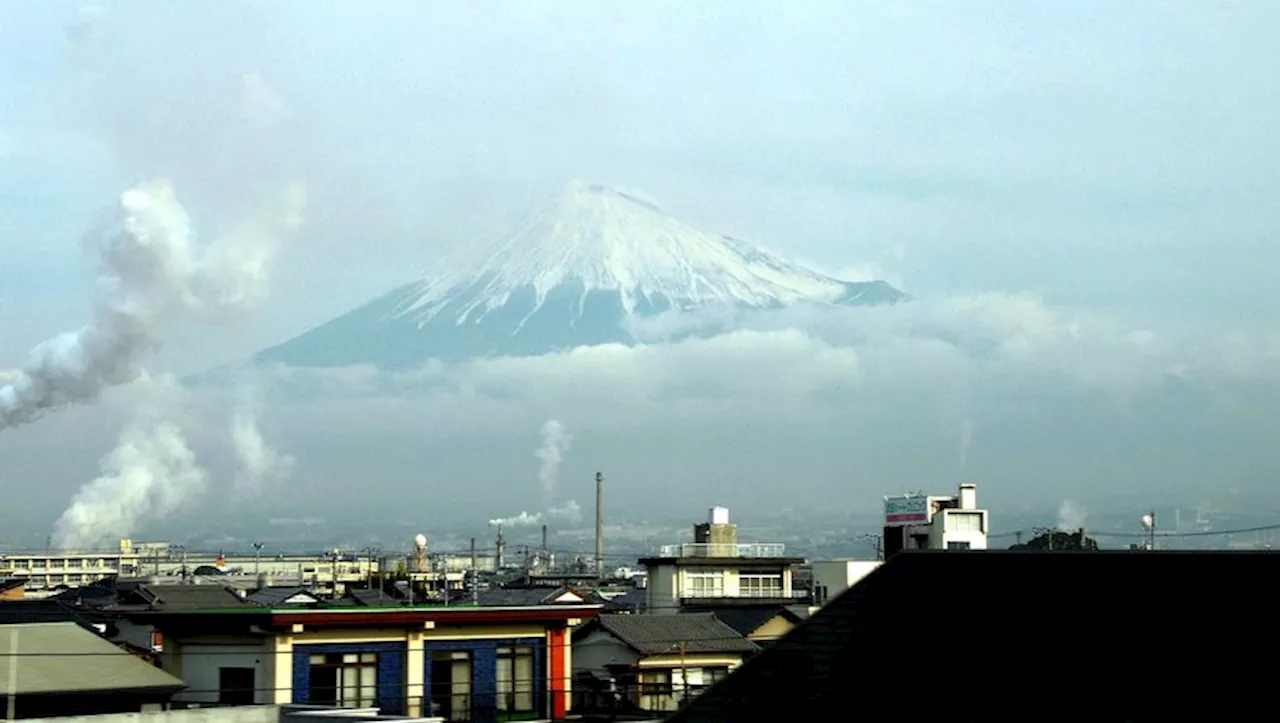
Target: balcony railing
{"points": [[720, 549]]}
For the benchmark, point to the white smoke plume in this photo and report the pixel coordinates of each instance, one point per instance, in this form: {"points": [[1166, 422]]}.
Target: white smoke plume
{"points": [[1071, 516], [524, 519], [555, 444], [570, 512], [151, 473], [149, 266], [257, 464]]}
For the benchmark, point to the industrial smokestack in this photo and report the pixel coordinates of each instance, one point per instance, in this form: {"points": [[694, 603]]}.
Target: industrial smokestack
{"points": [[599, 525], [500, 562], [544, 541]]}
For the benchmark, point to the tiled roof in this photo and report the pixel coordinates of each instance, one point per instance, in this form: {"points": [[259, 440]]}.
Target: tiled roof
{"points": [[271, 596], [195, 597], [662, 634], [65, 658]]}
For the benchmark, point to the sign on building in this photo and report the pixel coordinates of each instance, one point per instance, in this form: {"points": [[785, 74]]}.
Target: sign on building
{"points": [[906, 510]]}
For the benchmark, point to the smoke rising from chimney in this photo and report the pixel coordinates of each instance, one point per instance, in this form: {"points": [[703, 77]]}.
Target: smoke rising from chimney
{"points": [[149, 266], [555, 444], [1071, 516], [152, 472], [569, 513]]}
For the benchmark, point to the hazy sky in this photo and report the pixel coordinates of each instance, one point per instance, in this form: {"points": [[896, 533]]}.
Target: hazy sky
{"points": [[1087, 186]]}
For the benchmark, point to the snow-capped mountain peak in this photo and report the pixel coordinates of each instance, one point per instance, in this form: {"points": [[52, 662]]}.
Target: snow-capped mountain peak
{"points": [[588, 267], [601, 238]]}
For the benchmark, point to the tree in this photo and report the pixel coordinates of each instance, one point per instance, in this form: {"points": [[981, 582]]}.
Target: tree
{"points": [[1059, 540]]}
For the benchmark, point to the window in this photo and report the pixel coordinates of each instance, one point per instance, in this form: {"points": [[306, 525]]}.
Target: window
{"points": [[711, 676], [964, 522], [235, 686], [451, 685], [957, 545], [346, 680], [653, 691], [760, 585], [515, 679], [705, 584]]}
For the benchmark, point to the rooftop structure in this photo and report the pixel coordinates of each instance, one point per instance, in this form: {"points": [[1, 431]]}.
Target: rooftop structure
{"points": [[717, 566]]}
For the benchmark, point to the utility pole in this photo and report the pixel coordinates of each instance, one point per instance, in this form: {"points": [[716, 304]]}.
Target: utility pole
{"points": [[474, 575], [684, 675], [257, 559], [14, 657]]}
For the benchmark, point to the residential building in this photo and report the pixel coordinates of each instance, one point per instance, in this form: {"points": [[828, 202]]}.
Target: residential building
{"points": [[459, 662], [61, 669], [717, 566], [653, 663], [1097, 636], [833, 577], [935, 522]]}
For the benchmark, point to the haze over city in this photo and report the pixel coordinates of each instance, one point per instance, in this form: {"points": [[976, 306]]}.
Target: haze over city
{"points": [[675, 214]]}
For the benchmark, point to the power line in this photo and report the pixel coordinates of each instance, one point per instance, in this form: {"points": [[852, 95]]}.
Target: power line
{"points": [[1144, 535]]}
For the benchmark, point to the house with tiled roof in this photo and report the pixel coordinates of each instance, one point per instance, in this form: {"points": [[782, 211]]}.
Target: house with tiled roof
{"points": [[459, 662], [653, 662], [60, 669]]}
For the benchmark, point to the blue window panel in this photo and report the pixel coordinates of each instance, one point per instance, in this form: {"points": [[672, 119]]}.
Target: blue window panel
{"points": [[391, 674], [484, 667]]}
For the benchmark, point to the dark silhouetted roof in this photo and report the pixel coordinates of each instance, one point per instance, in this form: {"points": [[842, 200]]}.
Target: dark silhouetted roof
{"points": [[1138, 636], [745, 619], [273, 596], [374, 598], [48, 610], [194, 597], [664, 634]]}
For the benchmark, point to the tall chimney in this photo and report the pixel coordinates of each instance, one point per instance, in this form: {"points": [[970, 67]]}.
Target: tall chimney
{"points": [[500, 562], [599, 526], [544, 541]]}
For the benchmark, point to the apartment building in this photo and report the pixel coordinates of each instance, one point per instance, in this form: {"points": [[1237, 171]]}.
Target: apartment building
{"points": [[716, 566]]}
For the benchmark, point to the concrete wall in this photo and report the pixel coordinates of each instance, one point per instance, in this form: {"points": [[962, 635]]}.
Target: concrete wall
{"points": [[598, 650], [660, 591], [237, 714], [839, 575], [201, 665]]}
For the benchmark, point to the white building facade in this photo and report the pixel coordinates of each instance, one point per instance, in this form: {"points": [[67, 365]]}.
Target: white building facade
{"points": [[935, 522]]}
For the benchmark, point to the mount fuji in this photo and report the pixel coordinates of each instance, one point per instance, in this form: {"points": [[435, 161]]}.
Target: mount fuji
{"points": [[586, 268]]}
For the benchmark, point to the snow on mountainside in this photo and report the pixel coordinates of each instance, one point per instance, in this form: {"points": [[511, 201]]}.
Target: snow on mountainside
{"points": [[577, 271]]}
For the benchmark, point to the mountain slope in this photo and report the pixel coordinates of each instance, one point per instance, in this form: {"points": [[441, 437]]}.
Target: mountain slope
{"points": [[579, 271]]}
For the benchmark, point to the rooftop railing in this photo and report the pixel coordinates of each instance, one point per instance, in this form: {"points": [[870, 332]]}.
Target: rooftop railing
{"points": [[721, 549]]}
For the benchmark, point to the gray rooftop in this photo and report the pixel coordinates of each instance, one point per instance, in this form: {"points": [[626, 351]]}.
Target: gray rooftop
{"points": [[665, 634], [194, 597], [65, 658]]}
